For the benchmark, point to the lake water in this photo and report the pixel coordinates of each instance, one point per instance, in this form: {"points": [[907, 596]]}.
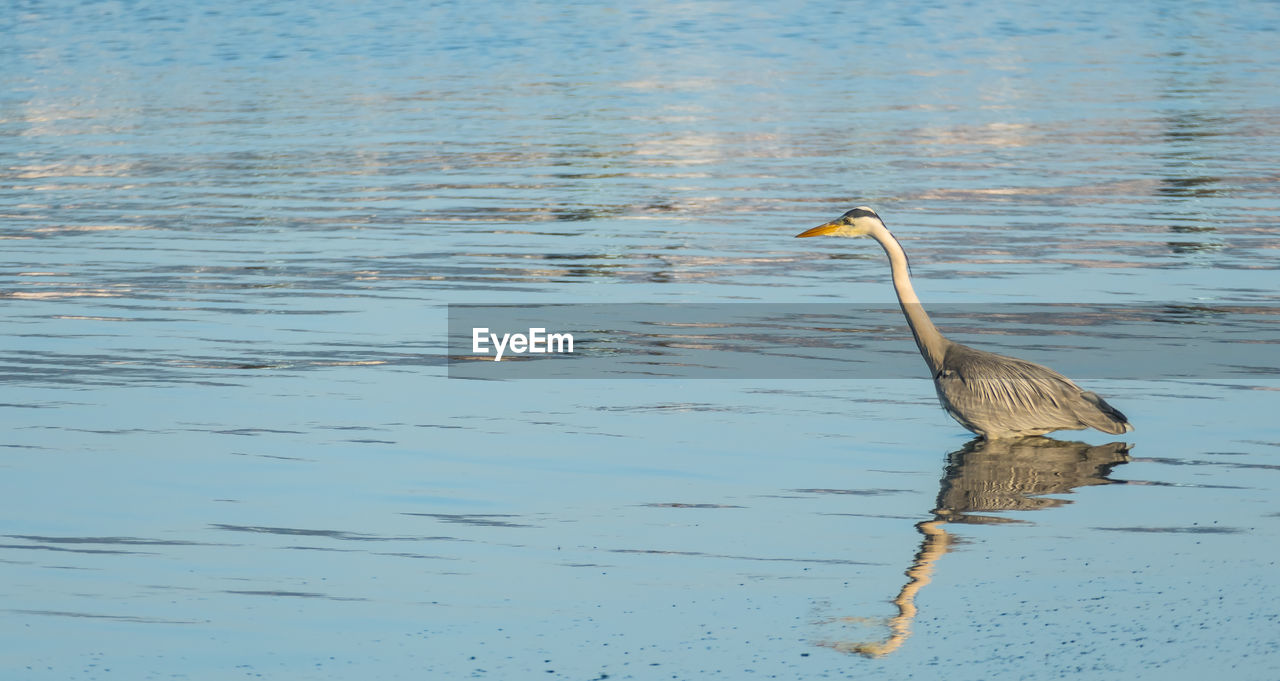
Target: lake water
{"points": [[229, 235]]}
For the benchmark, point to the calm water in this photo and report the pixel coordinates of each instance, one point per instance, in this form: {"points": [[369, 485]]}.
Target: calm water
{"points": [[230, 448]]}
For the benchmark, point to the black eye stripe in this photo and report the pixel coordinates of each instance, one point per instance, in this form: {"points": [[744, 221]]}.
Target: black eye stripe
{"points": [[861, 213]]}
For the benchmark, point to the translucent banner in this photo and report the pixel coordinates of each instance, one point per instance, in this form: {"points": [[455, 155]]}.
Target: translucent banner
{"points": [[850, 341]]}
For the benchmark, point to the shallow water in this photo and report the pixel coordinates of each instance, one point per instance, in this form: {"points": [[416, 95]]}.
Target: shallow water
{"points": [[228, 238]]}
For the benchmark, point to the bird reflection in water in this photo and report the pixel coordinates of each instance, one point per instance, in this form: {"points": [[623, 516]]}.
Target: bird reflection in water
{"points": [[988, 476]]}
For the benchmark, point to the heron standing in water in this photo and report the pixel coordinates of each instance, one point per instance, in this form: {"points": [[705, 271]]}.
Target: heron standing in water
{"points": [[992, 395]]}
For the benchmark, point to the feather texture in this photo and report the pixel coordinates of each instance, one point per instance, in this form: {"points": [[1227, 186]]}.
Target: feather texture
{"points": [[997, 396]]}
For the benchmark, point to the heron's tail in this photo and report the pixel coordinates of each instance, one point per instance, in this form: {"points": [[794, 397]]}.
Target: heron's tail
{"points": [[1107, 418]]}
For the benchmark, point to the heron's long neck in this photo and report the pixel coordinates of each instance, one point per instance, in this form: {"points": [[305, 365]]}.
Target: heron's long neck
{"points": [[931, 343]]}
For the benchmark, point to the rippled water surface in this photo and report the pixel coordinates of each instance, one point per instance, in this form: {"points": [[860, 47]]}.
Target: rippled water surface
{"points": [[229, 234]]}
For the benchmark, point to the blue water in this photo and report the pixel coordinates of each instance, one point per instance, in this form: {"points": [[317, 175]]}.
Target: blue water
{"points": [[229, 234]]}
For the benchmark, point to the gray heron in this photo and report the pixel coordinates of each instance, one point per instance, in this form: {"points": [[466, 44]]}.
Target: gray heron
{"points": [[992, 395]]}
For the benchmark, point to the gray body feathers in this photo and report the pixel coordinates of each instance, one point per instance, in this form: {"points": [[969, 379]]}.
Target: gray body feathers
{"points": [[998, 397]]}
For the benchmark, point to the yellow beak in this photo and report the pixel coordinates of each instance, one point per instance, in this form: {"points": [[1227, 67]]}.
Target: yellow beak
{"points": [[820, 230]]}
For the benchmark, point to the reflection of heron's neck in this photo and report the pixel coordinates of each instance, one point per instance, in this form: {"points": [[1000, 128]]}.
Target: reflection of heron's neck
{"points": [[936, 542], [931, 343]]}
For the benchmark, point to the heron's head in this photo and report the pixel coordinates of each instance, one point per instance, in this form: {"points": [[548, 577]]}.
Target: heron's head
{"points": [[857, 222]]}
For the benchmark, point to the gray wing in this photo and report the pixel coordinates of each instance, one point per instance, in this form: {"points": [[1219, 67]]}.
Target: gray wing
{"points": [[997, 395]]}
